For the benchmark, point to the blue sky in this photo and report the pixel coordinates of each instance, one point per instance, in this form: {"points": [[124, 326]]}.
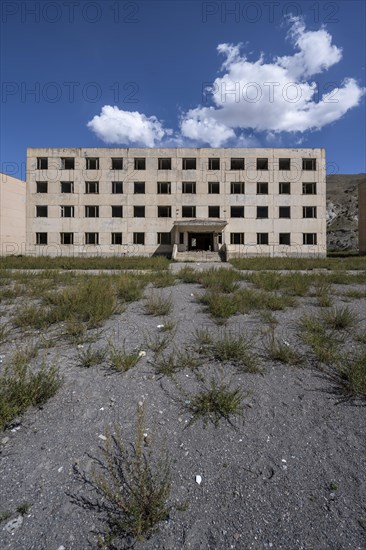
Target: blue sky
{"points": [[113, 73]]}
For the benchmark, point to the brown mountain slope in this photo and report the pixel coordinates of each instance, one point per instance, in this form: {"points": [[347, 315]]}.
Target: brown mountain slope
{"points": [[342, 211]]}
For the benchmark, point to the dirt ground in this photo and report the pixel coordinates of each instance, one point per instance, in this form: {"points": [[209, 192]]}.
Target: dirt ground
{"points": [[290, 474]]}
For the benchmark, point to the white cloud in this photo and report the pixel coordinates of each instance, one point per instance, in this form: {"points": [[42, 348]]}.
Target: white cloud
{"points": [[273, 97], [114, 125]]}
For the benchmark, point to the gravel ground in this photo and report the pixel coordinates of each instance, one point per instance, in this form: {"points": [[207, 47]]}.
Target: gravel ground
{"points": [[290, 474]]}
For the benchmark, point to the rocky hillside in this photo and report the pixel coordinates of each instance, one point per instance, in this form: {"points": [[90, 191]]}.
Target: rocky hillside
{"points": [[342, 211]]}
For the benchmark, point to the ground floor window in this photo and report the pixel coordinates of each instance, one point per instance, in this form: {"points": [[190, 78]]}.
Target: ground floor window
{"points": [[116, 238], [41, 238], [164, 238], [309, 238], [284, 238], [91, 238], [67, 238], [236, 238], [139, 238], [262, 238]]}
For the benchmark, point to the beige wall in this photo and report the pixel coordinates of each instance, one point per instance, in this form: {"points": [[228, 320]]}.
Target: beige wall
{"points": [[362, 218], [12, 215], [151, 224]]}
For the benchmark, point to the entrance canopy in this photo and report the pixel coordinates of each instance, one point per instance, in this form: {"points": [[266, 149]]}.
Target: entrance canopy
{"points": [[200, 226]]}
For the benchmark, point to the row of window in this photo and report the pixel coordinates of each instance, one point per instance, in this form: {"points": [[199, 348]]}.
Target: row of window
{"points": [[166, 211], [165, 238], [165, 163], [189, 187]]}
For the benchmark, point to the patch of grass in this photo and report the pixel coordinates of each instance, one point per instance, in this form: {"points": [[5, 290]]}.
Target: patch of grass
{"points": [[75, 331], [268, 318], [4, 332], [322, 290], [170, 364], [203, 337], [157, 342], [324, 343], [20, 388], [169, 325], [351, 374], [4, 516], [340, 318], [235, 349], [24, 508], [353, 293], [122, 360], [31, 316], [215, 403], [220, 280], [158, 305], [24, 355], [331, 263], [90, 357], [162, 279], [189, 275], [129, 288], [247, 300], [280, 350], [93, 262], [220, 306], [133, 486]]}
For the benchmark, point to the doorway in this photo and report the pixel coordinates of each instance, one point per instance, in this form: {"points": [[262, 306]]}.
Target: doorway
{"points": [[200, 241]]}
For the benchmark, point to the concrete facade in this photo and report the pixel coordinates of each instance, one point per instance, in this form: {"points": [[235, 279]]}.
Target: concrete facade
{"points": [[12, 215], [362, 218], [113, 201]]}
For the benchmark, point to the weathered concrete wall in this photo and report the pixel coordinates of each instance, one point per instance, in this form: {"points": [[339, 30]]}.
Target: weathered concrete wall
{"points": [[12, 215], [151, 225], [362, 218]]}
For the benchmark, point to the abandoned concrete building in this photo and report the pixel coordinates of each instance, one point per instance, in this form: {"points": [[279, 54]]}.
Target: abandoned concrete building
{"points": [[207, 203], [12, 215]]}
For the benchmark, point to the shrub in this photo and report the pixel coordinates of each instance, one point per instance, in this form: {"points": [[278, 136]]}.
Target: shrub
{"points": [[133, 486], [220, 306], [340, 318]]}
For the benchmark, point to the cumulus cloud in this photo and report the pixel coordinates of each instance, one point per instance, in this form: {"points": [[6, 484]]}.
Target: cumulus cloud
{"points": [[271, 96], [115, 126], [275, 96]]}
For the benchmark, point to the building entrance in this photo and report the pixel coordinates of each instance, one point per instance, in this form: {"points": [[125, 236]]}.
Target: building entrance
{"points": [[200, 241]]}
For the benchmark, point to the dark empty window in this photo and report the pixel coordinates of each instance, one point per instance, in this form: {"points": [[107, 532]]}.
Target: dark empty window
{"points": [[117, 187], [309, 211], [42, 163], [237, 188], [284, 188], [284, 164], [140, 163], [91, 238], [68, 163], [237, 211], [236, 238], [41, 211], [214, 164], [164, 238], [284, 212], [117, 211], [139, 187], [92, 163], [164, 164], [213, 188], [116, 238], [117, 164], [92, 211], [262, 164], [41, 238], [139, 211], [164, 188], [284, 238], [67, 186], [189, 187], [309, 188], [262, 188], [237, 164], [309, 164], [188, 211], [91, 187], [42, 186], [262, 211], [213, 211], [164, 211], [67, 238], [67, 211], [189, 164], [309, 238], [262, 238], [139, 238]]}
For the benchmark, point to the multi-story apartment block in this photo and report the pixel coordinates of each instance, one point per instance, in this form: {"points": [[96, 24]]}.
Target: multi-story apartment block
{"points": [[113, 201], [12, 215]]}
